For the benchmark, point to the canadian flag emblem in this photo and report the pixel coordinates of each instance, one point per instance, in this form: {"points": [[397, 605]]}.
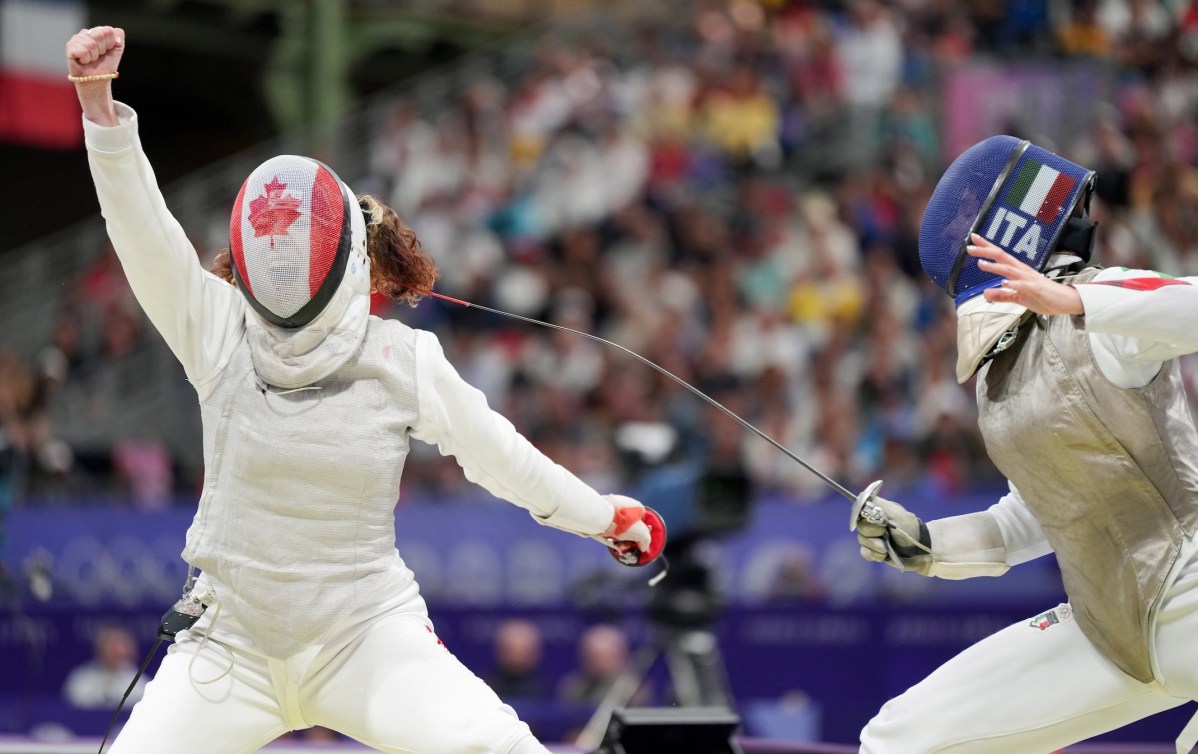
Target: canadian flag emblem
{"points": [[273, 213]]}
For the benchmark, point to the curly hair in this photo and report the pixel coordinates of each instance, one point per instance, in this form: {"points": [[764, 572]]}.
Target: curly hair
{"points": [[400, 268]]}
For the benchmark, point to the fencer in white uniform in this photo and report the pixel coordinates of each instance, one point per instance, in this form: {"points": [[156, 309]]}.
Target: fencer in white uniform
{"points": [[1083, 408], [308, 404]]}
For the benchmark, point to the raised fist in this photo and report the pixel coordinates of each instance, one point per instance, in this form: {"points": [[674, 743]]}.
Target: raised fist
{"points": [[95, 51]]}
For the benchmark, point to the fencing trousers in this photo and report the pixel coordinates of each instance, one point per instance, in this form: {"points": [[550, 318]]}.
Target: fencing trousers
{"points": [[382, 678], [1040, 685]]}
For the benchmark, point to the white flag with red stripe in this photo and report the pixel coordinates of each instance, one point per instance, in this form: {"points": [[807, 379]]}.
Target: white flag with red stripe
{"points": [[38, 105]]}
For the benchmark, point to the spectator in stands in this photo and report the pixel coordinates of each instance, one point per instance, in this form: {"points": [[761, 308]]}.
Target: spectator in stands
{"points": [[100, 682], [742, 118], [1080, 32], [517, 670], [871, 55], [1138, 30], [610, 169], [602, 657], [796, 578], [16, 391]]}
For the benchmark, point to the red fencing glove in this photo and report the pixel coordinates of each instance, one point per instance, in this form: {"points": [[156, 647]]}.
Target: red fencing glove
{"points": [[637, 533]]}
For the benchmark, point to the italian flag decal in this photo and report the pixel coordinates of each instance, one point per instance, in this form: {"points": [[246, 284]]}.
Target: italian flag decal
{"points": [[1141, 284], [1040, 191]]}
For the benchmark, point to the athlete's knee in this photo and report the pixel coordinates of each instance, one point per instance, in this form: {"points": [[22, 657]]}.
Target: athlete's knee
{"points": [[896, 730], [870, 740], [496, 731], [874, 741]]}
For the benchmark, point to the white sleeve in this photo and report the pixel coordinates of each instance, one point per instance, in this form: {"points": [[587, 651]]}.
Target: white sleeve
{"points": [[1022, 534], [455, 417], [1140, 315], [198, 314], [967, 546]]}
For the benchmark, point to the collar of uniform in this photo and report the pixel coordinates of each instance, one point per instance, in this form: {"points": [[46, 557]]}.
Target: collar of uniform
{"points": [[293, 358], [980, 323]]}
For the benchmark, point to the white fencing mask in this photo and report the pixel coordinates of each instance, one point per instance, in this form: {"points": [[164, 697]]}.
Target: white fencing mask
{"points": [[293, 229]]}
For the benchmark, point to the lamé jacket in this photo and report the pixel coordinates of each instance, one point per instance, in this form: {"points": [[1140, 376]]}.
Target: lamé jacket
{"points": [[1109, 472]]}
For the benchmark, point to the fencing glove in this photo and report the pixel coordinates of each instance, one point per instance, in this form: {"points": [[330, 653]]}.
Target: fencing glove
{"points": [[637, 534], [628, 524], [957, 547], [889, 533]]}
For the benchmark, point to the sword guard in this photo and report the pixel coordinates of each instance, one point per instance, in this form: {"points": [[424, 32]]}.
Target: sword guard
{"points": [[864, 510], [629, 555]]}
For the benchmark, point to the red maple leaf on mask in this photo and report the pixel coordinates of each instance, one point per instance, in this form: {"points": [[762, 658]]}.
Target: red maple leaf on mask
{"points": [[273, 213]]}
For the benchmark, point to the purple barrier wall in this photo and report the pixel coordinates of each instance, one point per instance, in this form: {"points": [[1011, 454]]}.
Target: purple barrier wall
{"points": [[846, 661], [861, 634], [489, 553]]}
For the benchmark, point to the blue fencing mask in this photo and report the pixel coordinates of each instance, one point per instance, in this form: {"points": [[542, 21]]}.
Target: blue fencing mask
{"points": [[1020, 197]]}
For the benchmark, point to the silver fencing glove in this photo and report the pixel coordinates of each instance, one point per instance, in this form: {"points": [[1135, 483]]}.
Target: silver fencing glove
{"points": [[889, 533], [965, 546]]}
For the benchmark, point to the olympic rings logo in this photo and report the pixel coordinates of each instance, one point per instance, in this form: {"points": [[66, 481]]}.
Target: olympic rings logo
{"points": [[125, 570]]}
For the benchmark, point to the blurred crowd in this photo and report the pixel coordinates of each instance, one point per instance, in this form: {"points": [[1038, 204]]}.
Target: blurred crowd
{"points": [[736, 196]]}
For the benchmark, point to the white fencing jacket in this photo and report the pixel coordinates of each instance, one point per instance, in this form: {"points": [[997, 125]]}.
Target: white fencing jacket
{"points": [[296, 520]]}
